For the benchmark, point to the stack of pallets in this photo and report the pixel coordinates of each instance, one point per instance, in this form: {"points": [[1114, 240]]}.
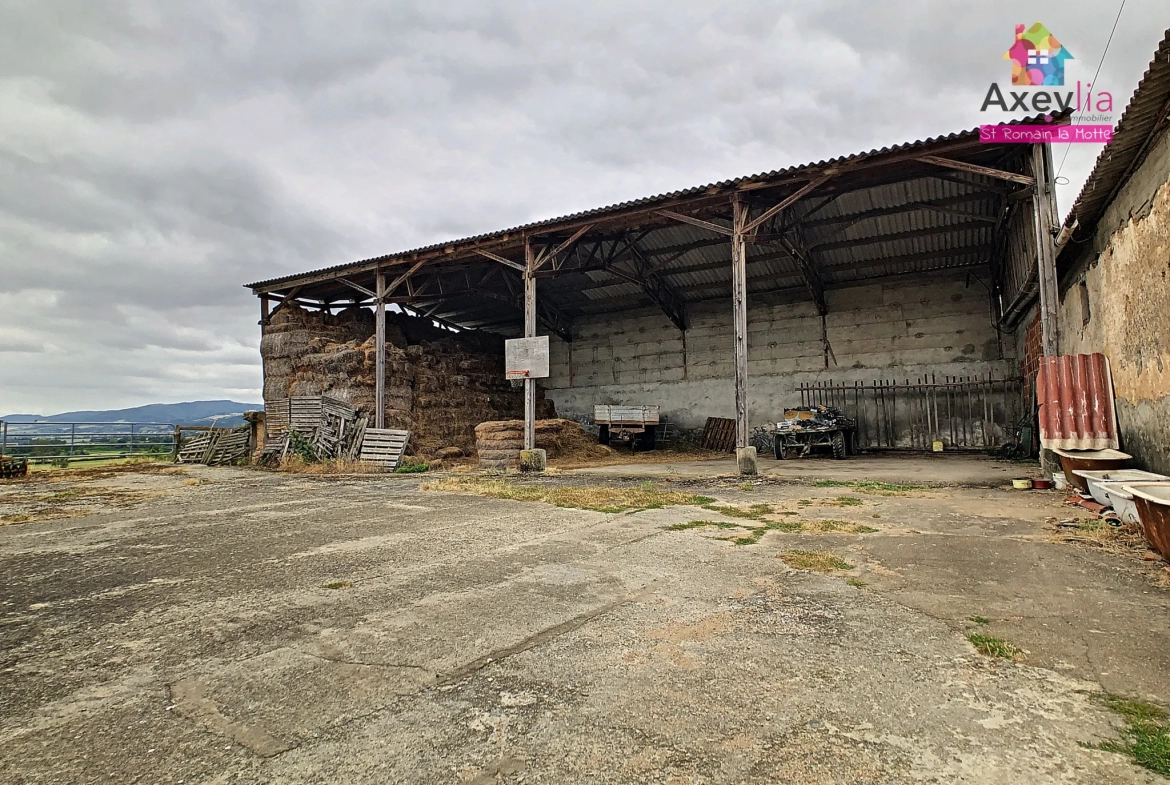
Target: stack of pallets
{"points": [[332, 428]]}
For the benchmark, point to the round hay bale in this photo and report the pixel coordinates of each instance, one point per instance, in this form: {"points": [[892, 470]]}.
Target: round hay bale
{"points": [[501, 440], [498, 455], [497, 426]]}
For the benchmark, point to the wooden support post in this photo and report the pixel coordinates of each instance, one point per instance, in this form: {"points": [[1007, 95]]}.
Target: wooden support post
{"points": [[264, 310], [529, 332], [1042, 212], [739, 316], [380, 349]]}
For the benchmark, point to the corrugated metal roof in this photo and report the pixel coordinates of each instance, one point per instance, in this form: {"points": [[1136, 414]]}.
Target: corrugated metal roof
{"points": [[646, 202], [892, 216], [1147, 113]]}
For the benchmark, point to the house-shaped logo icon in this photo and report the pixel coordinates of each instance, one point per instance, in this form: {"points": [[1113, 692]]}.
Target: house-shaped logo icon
{"points": [[1037, 57]]}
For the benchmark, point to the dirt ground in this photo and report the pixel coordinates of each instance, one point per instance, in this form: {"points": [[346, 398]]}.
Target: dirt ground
{"points": [[230, 625]]}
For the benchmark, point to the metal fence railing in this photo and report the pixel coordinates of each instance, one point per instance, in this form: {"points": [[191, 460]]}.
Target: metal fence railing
{"points": [[963, 412], [64, 442]]}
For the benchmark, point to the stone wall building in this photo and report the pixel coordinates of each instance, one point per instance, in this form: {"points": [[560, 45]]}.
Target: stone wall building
{"points": [[1115, 268]]}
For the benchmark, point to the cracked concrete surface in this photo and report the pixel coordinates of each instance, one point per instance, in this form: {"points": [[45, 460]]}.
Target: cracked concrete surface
{"points": [[193, 639]]}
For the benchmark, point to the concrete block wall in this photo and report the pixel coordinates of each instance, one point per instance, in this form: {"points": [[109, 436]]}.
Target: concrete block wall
{"points": [[904, 328]]}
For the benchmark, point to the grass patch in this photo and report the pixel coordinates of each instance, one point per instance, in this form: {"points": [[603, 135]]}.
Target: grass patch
{"points": [[995, 647], [746, 486], [682, 527], [582, 497], [814, 561], [1146, 738], [979, 619], [1097, 533], [835, 527], [337, 585], [857, 582], [15, 518], [846, 501], [408, 465], [867, 486], [756, 512], [755, 533]]}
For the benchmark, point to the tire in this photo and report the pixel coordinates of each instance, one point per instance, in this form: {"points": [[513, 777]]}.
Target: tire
{"points": [[603, 434], [839, 445], [778, 448], [646, 439]]}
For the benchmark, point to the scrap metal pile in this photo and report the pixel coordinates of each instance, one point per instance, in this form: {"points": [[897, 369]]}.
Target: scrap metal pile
{"points": [[803, 428]]}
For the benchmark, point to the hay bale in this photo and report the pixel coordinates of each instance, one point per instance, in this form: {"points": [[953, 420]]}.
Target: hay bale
{"points": [[448, 453], [499, 455]]}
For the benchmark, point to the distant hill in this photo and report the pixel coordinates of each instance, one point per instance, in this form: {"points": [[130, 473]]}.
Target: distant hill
{"points": [[190, 413]]}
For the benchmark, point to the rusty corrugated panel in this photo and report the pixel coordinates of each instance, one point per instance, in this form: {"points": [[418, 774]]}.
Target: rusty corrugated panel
{"points": [[1075, 394]]}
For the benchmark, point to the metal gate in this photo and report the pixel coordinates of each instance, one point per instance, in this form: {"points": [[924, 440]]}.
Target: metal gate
{"points": [[963, 412], [65, 442]]}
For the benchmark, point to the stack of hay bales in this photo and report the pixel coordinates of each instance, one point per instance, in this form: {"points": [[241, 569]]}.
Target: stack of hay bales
{"points": [[439, 384], [499, 443]]}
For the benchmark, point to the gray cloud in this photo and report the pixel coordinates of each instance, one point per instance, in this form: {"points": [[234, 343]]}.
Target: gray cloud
{"points": [[157, 154]]}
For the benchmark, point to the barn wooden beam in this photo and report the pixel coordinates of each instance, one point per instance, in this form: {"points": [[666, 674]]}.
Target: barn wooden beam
{"points": [[788, 201], [1043, 207], [986, 171], [529, 332], [546, 254], [380, 352], [908, 234], [810, 273], [699, 222], [739, 214], [500, 259], [358, 287], [286, 300], [949, 202]]}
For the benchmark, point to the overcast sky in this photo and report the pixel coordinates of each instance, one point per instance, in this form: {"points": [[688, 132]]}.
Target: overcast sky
{"points": [[156, 155]]}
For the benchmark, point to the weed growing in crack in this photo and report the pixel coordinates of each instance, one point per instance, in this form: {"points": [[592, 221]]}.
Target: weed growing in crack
{"points": [[868, 486], [814, 561], [995, 647], [1146, 737]]}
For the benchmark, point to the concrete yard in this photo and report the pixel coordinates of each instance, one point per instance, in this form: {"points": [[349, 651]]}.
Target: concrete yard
{"points": [[231, 625]]}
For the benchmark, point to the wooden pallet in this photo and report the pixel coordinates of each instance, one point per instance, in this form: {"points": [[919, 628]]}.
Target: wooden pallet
{"points": [[230, 447], [718, 434], [276, 418], [304, 415], [384, 446], [217, 447]]}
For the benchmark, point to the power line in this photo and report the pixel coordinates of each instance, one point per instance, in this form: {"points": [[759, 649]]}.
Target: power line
{"points": [[1098, 73]]}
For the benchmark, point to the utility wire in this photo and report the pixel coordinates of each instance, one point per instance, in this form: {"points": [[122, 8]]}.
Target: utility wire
{"points": [[1098, 73]]}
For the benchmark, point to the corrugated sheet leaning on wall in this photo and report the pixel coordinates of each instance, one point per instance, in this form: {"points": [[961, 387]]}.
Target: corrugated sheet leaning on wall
{"points": [[1075, 394]]}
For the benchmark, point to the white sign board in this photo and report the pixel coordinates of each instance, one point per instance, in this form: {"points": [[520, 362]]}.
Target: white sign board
{"points": [[526, 358]]}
